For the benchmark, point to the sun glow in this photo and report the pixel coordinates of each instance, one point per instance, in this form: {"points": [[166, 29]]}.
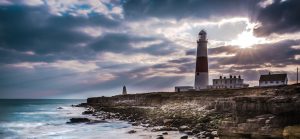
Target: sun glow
{"points": [[246, 39]]}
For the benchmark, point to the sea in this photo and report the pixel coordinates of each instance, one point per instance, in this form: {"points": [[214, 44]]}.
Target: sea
{"points": [[41, 119]]}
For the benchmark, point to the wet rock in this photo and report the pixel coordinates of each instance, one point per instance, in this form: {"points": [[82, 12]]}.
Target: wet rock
{"points": [[160, 137], [131, 131], [88, 112], [134, 123], [165, 133], [184, 137], [79, 120], [96, 121], [59, 108], [80, 105]]}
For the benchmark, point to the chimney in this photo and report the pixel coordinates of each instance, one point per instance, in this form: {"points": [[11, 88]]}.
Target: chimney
{"points": [[230, 76], [220, 77], [234, 77], [239, 76]]}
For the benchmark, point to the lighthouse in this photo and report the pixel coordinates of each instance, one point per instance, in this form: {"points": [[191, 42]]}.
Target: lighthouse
{"points": [[201, 74]]}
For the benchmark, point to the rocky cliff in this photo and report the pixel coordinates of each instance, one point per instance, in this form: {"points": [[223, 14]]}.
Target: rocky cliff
{"points": [[272, 112]]}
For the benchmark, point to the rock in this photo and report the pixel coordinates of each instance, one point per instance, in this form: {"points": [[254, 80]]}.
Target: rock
{"points": [[214, 133], [184, 137], [79, 120], [183, 128], [80, 105], [160, 137], [189, 132], [168, 121], [88, 112], [195, 131], [131, 131], [291, 132], [96, 121], [59, 108], [165, 133], [164, 128], [135, 124]]}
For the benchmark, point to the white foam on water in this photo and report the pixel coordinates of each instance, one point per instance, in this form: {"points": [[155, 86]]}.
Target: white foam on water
{"points": [[37, 113], [20, 124], [56, 128]]}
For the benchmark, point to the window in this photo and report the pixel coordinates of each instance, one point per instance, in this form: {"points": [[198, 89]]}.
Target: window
{"points": [[271, 81], [266, 82], [277, 82]]}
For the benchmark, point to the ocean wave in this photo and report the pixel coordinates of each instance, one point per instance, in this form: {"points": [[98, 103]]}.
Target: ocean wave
{"points": [[21, 124], [37, 113]]}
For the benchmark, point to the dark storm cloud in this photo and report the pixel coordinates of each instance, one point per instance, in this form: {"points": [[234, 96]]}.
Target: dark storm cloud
{"points": [[187, 8], [279, 17], [118, 42], [51, 37], [124, 43], [33, 28]]}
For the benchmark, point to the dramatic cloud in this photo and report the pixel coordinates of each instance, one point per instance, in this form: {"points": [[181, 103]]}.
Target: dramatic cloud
{"points": [[190, 8], [281, 16], [78, 49]]}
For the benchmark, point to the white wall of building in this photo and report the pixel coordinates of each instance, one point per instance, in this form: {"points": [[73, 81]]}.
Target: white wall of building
{"points": [[273, 83]]}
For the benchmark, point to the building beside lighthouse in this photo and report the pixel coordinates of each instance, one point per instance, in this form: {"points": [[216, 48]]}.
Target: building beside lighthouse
{"points": [[201, 73], [231, 82]]}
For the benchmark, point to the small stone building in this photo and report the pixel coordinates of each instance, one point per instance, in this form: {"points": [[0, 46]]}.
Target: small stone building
{"points": [[183, 88], [273, 79]]}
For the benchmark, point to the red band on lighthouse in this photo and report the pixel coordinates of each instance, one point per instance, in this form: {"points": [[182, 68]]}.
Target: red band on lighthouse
{"points": [[201, 64]]}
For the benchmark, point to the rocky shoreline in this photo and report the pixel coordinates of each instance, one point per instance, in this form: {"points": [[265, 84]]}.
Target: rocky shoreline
{"points": [[245, 113]]}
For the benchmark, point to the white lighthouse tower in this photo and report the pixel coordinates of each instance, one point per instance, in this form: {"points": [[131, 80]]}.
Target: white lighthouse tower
{"points": [[201, 74]]}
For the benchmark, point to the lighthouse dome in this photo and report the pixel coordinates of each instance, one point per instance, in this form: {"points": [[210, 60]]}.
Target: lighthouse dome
{"points": [[202, 32]]}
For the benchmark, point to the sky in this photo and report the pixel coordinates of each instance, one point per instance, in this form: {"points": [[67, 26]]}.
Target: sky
{"points": [[80, 49]]}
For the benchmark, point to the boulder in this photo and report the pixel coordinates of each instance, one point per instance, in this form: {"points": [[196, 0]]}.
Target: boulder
{"points": [[160, 137], [184, 137], [88, 112], [214, 133], [79, 120], [165, 133], [131, 131]]}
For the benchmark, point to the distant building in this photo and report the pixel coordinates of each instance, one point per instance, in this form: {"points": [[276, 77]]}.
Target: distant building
{"points": [[273, 79], [231, 82], [183, 88], [124, 90]]}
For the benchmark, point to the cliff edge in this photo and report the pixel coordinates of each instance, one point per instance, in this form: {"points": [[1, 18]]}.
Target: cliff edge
{"points": [[270, 112]]}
